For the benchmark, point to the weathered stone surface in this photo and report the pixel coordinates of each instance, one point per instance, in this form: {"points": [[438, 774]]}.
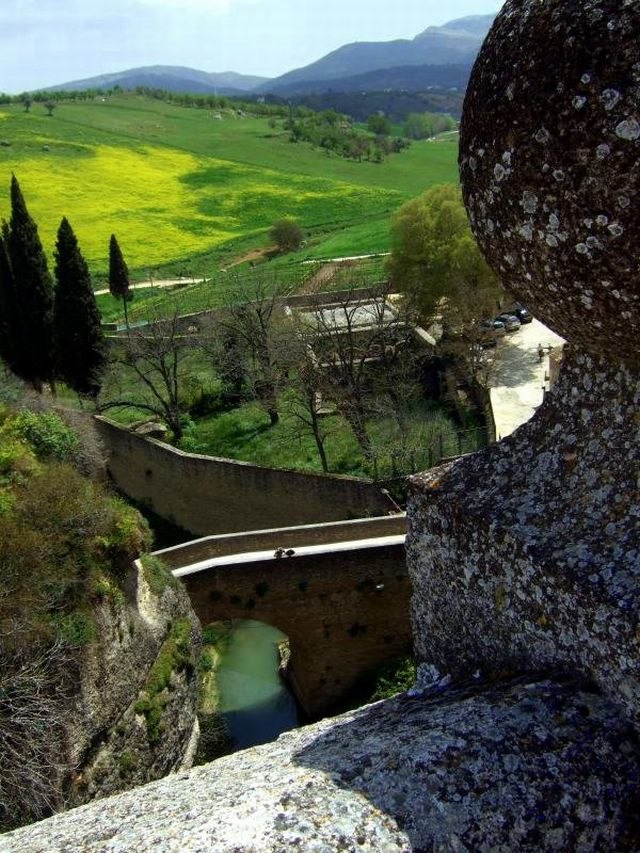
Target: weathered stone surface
{"points": [[111, 750], [531, 764], [528, 554], [549, 158]]}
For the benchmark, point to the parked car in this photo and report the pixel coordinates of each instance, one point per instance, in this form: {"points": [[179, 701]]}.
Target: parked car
{"points": [[510, 322], [490, 331], [522, 314]]}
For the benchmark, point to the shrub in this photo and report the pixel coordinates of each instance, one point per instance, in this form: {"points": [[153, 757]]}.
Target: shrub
{"points": [[395, 678], [205, 664], [128, 533], [157, 574], [47, 434], [127, 762], [175, 655], [206, 403], [75, 629], [33, 715], [287, 234], [63, 542]]}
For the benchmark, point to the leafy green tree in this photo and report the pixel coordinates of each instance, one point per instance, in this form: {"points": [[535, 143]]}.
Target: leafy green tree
{"points": [[119, 285], [434, 256], [79, 342], [425, 125], [379, 124], [436, 261], [33, 359], [287, 234]]}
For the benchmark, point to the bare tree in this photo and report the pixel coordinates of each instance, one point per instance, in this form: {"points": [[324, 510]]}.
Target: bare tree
{"points": [[361, 348], [34, 710], [243, 340], [303, 400], [150, 371]]}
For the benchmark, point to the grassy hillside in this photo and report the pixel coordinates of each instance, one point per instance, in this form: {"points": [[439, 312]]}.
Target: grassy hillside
{"points": [[178, 186]]}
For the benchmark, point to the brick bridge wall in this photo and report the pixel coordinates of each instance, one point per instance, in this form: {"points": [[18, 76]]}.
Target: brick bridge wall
{"points": [[345, 611], [204, 494], [210, 547]]}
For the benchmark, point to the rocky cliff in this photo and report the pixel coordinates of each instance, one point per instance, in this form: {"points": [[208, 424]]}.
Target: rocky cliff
{"points": [[134, 713]]}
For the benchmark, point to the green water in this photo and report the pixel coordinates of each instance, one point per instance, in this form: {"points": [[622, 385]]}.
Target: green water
{"points": [[251, 694]]}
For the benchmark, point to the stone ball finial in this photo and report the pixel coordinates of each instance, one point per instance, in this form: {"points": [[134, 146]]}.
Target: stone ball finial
{"points": [[550, 165]]}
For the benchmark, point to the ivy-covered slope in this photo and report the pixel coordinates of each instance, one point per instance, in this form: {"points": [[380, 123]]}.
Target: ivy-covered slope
{"points": [[83, 633]]}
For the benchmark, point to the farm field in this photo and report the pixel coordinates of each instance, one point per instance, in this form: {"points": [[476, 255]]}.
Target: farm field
{"points": [[187, 194], [226, 287]]}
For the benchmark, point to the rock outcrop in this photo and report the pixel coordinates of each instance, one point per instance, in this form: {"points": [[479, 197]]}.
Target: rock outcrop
{"points": [[531, 764], [134, 715], [529, 554]]}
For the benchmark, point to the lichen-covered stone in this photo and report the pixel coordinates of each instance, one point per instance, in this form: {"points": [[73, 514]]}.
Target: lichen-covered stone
{"points": [[550, 165], [525, 765], [528, 554]]}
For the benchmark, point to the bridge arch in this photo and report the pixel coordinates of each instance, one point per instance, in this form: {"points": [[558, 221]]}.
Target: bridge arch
{"points": [[342, 598]]}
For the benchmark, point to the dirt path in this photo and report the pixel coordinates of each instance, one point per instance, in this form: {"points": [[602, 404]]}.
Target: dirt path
{"points": [[320, 278], [165, 282], [254, 255]]}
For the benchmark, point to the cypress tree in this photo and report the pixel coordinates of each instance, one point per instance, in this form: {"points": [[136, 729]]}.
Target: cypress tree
{"points": [[10, 325], [79, 343], [119, 276], [34, 288]]}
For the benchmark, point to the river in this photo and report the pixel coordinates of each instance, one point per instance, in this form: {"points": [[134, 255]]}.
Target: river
{"points": [[251, 695]]}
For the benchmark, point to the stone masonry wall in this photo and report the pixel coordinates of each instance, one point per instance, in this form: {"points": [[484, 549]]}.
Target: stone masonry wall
{"points": [[206, 495]]}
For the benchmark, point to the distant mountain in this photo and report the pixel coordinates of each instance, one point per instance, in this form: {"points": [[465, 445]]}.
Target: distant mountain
{"points": [[172, 77], [406, 78], [439, 57], [473, 25], [455, 43]]}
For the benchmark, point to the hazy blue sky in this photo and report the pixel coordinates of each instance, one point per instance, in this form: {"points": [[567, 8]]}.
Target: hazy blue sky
{"points": [[44, 42]]}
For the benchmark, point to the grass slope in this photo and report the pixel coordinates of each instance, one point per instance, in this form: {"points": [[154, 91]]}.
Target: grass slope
{"points": [[178, 186]]}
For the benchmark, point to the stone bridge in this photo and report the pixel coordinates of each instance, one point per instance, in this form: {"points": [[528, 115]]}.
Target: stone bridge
{"points": [[342, 596]]}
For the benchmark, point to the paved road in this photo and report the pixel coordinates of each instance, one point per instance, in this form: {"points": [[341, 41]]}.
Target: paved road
{"points": [[517, 386]]}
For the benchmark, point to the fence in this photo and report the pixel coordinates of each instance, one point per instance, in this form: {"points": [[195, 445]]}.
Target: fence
{"points": [[393, 470]]}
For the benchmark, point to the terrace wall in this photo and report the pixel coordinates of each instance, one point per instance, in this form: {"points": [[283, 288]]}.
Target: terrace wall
{"points": [[205, 494]]}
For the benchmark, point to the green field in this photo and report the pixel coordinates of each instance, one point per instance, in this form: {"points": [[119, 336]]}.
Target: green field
{"points": [[244, 433], [187, 194]]}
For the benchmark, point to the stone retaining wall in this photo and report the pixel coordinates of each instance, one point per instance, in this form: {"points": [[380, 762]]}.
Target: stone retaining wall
{"points": [[205, 495]]}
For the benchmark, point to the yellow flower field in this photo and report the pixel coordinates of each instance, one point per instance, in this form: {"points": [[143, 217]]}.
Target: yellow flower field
{"points": [[163, 203]]}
